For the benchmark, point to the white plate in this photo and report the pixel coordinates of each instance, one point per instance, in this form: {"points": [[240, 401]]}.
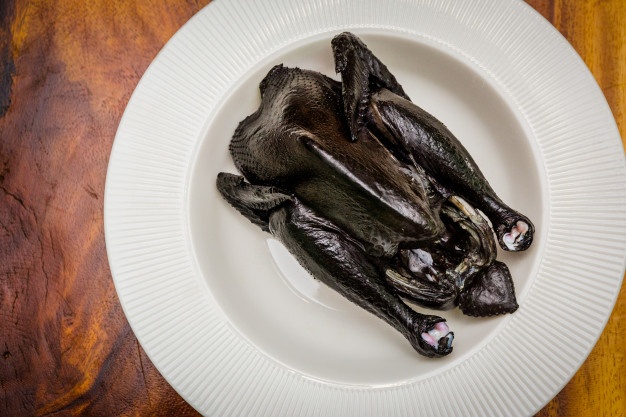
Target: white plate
{"points": [[236, 326]]}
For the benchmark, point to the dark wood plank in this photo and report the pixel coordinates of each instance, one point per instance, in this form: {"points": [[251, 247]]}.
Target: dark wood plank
{"points": [[65, 345]]}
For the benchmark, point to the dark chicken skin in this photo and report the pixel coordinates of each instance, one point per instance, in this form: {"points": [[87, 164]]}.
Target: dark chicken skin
{"points": [[374, 196]]}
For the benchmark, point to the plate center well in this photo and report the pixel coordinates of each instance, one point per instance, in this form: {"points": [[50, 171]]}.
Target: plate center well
{"points": [[273, 303]]}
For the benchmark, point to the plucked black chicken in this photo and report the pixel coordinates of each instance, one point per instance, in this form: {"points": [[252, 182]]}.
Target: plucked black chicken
{"points": [[374, 196]]}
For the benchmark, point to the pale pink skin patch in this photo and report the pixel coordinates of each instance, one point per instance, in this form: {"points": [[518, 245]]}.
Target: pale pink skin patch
{"points": [[440, 330], [517, 233]]}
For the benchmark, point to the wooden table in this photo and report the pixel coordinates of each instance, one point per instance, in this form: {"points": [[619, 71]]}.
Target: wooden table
{"points": [[67, 70]]}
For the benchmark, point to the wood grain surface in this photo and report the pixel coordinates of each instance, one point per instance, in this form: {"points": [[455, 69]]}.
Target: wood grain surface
{"points": [[67, 70]]}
